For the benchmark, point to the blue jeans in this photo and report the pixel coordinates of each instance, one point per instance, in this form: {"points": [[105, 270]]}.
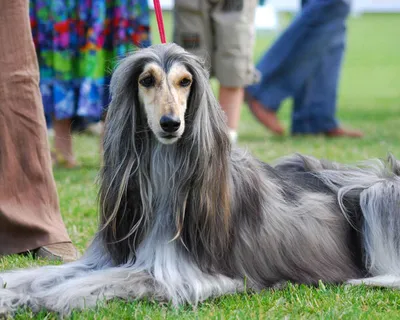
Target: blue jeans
{"points": [[304, 63]]}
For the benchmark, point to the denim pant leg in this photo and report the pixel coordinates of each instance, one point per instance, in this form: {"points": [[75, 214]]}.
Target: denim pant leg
{"points": [[315, 103], [296, 53]]}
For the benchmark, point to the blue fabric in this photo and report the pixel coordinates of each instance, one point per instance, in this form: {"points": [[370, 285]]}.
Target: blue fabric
{"points": [[304, 63]]}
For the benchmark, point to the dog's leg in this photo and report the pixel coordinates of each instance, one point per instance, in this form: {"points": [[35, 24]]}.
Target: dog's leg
{"points": [[42, 278], [388, 281], [86, 291], [25, 280], [18, 288]]}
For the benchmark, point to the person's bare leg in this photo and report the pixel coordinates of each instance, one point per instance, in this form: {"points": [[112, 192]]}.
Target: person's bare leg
{"points": [[231, 100], [63, 142]]}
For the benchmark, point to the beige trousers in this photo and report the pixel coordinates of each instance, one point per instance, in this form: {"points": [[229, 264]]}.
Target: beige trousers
{"points": [[29, 211]]}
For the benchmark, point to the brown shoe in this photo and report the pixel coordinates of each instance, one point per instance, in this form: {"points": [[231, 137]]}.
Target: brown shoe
{"points": [[346, 133], [264, 115], [64, 252]]}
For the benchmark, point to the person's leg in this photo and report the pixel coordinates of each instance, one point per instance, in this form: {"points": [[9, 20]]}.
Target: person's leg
{"points": [[232, 60], [194, 31], [63, 143], [288, 64], [29, 212], [315, 103], [313, 106], [231, 100]]}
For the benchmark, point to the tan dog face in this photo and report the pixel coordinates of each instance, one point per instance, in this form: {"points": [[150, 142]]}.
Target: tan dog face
{"points": [[164, 96]]}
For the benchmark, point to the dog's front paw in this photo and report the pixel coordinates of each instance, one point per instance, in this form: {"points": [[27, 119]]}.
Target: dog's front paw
{"points": [[3, 314], [388, 281], [10, 301], [355, 282]]}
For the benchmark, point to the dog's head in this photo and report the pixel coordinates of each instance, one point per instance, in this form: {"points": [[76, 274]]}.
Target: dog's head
{"points": [[166, 87], [164, 94], [162, 100]]}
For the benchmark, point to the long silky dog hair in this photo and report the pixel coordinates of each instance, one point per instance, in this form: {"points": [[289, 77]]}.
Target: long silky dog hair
{"points": [[185, 216]]}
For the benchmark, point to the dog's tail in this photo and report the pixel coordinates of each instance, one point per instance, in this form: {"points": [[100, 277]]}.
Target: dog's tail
{"points": [[370, 194]]}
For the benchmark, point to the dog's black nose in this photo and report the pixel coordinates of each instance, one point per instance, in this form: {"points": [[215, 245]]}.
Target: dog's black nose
{"points": [[170, 123]]}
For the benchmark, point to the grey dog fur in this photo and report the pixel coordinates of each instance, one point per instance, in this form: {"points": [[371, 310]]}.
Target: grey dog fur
{"points": [[192, 220]]}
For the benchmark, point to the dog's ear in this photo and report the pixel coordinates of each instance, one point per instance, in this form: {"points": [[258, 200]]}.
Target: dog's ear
{"points": [[206, 223], [119, 197]]}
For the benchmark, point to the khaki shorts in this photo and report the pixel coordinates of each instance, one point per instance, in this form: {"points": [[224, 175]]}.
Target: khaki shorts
{"points": [[223, 36]]}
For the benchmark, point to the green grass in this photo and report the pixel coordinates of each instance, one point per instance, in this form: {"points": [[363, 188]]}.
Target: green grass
{"points": [[369, 99]]}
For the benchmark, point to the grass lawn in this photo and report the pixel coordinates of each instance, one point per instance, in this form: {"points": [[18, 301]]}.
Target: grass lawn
{"points": [[369, 100]]}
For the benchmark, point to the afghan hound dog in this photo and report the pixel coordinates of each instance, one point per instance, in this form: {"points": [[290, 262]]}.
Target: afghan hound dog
{"points": [[185, 216]]}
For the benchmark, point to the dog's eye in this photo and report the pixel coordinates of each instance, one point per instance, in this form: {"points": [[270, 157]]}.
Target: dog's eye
{"points": [[185, 82], [147, 82]]}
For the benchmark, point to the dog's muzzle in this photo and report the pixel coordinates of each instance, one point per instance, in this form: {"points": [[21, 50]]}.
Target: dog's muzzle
{"points": [[170, 123]]}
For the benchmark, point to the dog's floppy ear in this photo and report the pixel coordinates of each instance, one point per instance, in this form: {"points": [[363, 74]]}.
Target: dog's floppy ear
{"points": [[121, 213], [206, 223]]}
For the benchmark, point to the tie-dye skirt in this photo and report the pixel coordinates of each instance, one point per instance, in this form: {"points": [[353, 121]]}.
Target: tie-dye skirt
{"points": [[78, 43]]}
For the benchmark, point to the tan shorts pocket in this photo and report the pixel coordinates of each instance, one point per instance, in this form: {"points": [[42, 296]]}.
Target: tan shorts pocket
{"points": [[190, 5]]}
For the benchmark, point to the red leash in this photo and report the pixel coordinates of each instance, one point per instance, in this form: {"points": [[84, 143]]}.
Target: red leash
{"points": [[160, 21]]}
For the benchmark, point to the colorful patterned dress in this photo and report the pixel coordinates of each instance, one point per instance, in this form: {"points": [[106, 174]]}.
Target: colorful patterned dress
{"points": [[78, 43]]}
